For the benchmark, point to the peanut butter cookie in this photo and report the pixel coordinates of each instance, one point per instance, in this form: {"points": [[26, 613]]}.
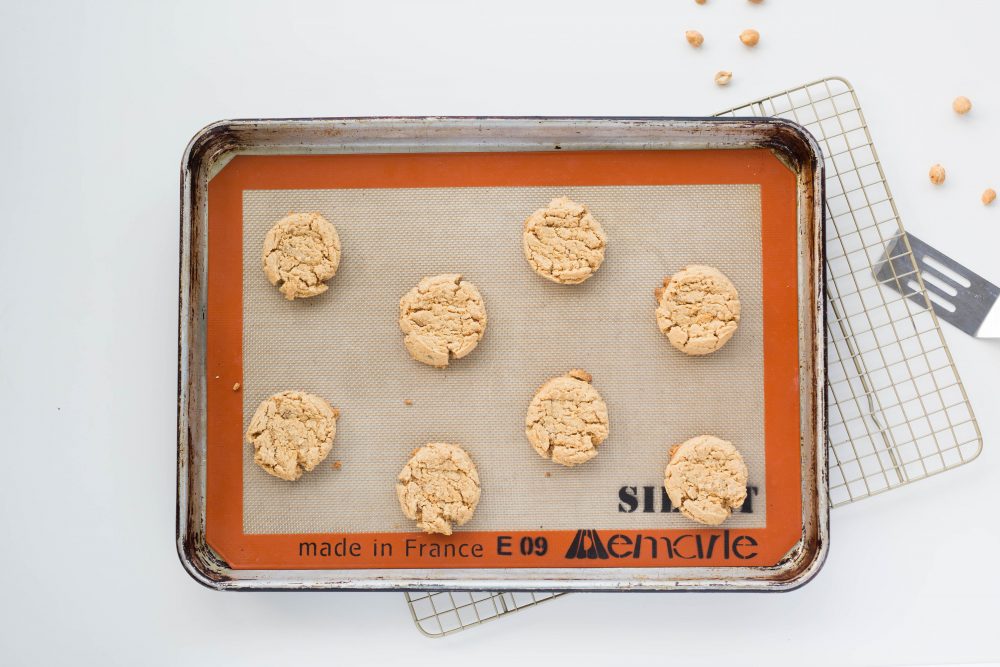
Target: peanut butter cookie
{"points": [[567, 419], [291, 433], [706, 479], [442, 317], [698, 309], [438, 486], [563, 242], [300, 252]]}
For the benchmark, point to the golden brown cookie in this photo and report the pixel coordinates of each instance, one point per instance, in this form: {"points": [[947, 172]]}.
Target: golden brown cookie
{"points": [[563, 242], [698, 309], [567, 419], [300, 252], [442, 317], [438, 486], [706, 479], [291, 433]]}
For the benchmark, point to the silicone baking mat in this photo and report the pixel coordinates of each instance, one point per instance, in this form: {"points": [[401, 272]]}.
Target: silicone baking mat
{"points": [[345, 345]]}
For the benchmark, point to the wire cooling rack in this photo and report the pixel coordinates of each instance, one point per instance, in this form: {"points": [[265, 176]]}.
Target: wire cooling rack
{"points": [[897, 409]]}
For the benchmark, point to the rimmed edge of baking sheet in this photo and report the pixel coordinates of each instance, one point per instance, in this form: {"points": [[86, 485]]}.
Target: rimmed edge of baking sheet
{"points": [[220, 141]]}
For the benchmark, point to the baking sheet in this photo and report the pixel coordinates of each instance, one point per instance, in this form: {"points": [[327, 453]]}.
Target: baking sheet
{"points": [[345, 345]]}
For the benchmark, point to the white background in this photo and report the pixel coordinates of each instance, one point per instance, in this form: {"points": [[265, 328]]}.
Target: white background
{"points": [[97, 102]]}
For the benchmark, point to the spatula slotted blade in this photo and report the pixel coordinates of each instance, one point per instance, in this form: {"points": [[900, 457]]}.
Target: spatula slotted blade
{"points": [[959, 296]]}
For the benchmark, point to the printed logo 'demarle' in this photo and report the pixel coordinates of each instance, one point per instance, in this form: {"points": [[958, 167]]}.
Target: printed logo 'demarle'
{"points": [[587, 544]]}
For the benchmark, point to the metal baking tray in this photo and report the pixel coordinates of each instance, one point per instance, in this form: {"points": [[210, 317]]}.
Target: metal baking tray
{"points": [[224, 545]]}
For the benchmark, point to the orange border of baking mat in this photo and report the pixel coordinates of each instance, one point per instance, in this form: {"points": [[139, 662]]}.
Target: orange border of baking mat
{"points": [[685, 547]]}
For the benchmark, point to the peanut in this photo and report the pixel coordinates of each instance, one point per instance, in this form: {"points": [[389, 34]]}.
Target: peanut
{"points": [[937, 174], [750, 37]]}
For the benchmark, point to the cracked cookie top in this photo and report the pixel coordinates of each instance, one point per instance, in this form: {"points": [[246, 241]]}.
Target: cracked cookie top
{"points": [[563, 242], [443, 317], [438, 487], [291, 433], [706, 479], [301, 251], [698, 309], [567, 419]]}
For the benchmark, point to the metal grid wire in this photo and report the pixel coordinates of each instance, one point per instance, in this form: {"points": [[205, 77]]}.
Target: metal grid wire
{"points": [[439, 614], [897, 409]]}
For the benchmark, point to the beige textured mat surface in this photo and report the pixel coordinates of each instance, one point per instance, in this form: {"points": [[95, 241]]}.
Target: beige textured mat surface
{"points": [[345, 345]]}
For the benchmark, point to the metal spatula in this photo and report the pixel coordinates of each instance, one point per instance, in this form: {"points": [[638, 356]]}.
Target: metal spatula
{"points": [[958, 296]]}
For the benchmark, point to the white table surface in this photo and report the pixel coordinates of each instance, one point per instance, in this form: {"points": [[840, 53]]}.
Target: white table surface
{"points": [[97, 104]]}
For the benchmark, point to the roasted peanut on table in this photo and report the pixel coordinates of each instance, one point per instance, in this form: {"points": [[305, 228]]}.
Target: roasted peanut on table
{"points": [[750, 37], [937, 174]]}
